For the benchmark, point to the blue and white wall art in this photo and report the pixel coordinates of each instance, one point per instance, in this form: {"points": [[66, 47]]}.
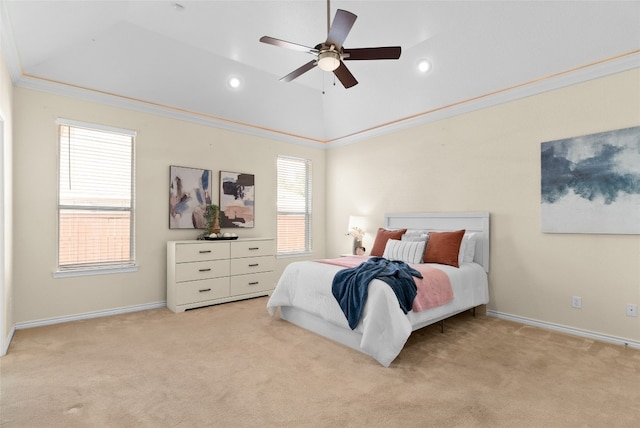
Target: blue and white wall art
{"points": [[591, 184], [189, 195]]}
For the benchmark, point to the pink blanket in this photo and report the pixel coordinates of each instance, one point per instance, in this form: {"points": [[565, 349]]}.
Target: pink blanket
{"points": [[434, 288]]}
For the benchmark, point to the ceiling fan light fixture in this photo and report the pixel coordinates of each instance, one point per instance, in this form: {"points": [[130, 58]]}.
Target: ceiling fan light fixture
{"points": [[328, 60]]}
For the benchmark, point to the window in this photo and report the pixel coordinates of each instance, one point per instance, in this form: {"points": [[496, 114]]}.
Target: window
{"points": [[294, 206], [95, 199]]}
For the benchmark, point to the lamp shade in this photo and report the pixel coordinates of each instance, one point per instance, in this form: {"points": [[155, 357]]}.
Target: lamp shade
{"points": [[357, 222], [356, 230]]}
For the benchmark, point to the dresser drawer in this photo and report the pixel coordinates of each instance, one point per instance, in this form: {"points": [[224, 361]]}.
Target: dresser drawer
{"points": [[198, 291], [201, 273], [251, 283], [263, 247], [252, 264], [201, 251], [201, 270]]}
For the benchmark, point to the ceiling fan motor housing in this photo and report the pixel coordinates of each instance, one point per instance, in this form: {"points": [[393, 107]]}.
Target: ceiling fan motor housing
{"points": [[328, 60]]}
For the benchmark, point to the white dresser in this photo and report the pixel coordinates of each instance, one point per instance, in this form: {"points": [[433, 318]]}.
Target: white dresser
{"points": [[201, 273]]}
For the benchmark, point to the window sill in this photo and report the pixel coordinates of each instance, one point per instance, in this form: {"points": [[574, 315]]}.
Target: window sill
{"points": [[96, 271], [291, 255]]}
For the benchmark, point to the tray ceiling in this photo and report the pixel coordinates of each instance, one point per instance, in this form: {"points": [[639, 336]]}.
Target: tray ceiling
{"points": [[176, 58]]}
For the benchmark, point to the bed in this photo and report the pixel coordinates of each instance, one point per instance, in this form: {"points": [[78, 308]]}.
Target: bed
{"points": [[304, 297]]}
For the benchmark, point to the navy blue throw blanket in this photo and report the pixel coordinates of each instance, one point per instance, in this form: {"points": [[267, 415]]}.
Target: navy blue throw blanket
{"points": [[351, 286]]}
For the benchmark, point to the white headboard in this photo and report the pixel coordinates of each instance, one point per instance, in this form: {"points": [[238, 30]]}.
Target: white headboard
{"points": [[477, 222]]}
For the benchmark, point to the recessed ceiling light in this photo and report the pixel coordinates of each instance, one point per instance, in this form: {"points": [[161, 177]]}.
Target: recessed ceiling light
{"points": [[424, 66], [234, 82]]}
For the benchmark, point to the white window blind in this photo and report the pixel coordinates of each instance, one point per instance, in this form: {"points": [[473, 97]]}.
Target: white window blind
{"points": [[294, 206], [95, 197]]}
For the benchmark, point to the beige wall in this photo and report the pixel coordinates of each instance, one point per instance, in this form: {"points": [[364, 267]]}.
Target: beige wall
{"points": [[485, 160], [6, 234], [160, 142], [489, 160]]}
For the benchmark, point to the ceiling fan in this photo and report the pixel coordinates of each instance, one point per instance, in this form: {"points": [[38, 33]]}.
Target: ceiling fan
{"points": [[330, 54]]}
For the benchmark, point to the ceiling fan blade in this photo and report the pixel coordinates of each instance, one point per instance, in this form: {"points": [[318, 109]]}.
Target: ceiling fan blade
{"points": [[298, 71], [288, 45], [342, 23], [388, 52], [344, 76]]}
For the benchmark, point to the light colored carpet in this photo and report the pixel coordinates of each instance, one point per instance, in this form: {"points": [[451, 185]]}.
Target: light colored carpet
{"points": [[234, 366]]}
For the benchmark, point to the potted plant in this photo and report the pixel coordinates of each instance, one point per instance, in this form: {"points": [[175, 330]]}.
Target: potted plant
{"points": [[212, 215]]}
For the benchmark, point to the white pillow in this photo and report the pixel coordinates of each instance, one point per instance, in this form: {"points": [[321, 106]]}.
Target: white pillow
{"points": [[406, 251], [470, 250], [415, 235], [467, 248]]}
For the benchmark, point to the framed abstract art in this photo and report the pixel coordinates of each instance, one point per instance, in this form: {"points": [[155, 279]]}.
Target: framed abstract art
{"points": [[237, 199], [189, 195], [591, 184]]}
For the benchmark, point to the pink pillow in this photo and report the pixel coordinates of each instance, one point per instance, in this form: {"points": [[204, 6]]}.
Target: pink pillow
{"points": [[381, 240], [443, 247]]}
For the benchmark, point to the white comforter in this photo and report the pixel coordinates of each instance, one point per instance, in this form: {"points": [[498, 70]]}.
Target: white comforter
{"points": [[385, 329]]}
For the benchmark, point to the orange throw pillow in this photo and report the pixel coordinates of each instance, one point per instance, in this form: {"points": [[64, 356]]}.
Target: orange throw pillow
{"points": [[443, 247], [381, 240]]}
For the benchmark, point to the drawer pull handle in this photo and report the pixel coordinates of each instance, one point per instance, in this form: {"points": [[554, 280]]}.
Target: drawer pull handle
{"points": [[204, 251], [204, 290], [254, 264], [205, 270], [253, 248], [254, 283]]}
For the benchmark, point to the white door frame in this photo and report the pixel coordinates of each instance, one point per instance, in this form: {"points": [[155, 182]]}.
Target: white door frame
{"points": [[3, 337]]}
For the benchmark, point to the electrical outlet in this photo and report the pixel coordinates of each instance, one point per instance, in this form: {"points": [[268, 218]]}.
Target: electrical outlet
{"points": [[576, 302], [632, 310]]}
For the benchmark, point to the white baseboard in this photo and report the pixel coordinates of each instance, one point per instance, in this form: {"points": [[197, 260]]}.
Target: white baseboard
{"points": [[8, 341], [564, 329], [157, 305], [89, 315]]}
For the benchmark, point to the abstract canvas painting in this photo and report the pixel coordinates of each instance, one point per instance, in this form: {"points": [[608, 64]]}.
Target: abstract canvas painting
{"points": [[189, 195], [591, 184], [237, 199]]}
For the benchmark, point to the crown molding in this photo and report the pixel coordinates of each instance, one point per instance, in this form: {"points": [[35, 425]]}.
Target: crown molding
{"points": [[619, 64], [606, 67], [58, 88]]}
